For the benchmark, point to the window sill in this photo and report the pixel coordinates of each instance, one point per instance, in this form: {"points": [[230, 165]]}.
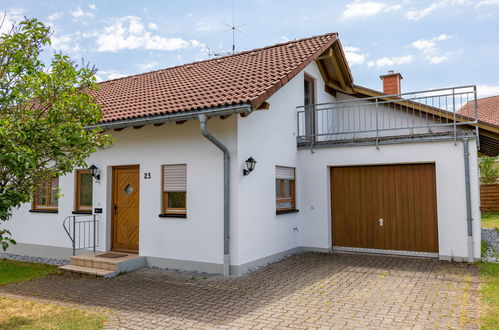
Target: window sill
{"points": [[286, 211], [170, 215], [82, 212], [43, 211]]}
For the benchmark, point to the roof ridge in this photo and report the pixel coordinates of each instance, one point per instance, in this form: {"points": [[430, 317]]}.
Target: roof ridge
{"points": [[222, 57]]}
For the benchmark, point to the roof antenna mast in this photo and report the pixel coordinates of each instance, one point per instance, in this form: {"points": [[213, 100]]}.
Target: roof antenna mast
{"points": [[234, 28]]}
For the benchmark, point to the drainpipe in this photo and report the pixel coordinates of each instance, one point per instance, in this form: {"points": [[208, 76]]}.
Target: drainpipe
{"points": [[469, 218], [221, 146]]}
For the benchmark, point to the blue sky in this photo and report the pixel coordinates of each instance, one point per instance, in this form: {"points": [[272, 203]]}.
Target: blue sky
{"points": [[433, 44]]}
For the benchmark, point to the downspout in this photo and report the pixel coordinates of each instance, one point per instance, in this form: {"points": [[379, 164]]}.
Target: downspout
{"points": [[221, 146], [469, 217]]}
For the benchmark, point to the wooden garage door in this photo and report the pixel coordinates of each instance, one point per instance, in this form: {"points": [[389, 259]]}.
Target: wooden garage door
{"points": [[390, 207]]}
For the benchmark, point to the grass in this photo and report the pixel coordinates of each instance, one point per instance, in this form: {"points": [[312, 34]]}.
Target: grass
{"points": [[490, 220], [16, 271], [489, 291], [25, 314]]}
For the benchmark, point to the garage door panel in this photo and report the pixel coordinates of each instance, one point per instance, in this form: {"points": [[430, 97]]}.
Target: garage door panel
{"points": [[403, 196]]}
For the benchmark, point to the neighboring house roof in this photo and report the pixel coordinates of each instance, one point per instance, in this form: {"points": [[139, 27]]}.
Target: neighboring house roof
{"points": [[488, 110], [249, 77]]}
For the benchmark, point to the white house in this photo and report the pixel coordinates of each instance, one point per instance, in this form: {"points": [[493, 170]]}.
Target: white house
{"points": [[338, 167]]}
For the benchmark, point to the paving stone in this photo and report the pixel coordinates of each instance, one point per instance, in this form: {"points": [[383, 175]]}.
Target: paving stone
{"points": [[310, 290]]}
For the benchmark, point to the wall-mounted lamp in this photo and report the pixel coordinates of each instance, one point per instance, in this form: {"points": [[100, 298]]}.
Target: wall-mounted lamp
{"points": [[250, 166], [94, 172]]}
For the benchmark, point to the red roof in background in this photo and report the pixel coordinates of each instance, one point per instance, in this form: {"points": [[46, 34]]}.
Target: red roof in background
{"points": [[248, 77], [488, 110]]}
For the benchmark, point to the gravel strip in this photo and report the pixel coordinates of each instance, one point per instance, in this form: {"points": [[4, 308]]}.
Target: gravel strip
{"points": [[39, 260], [492, 238]]}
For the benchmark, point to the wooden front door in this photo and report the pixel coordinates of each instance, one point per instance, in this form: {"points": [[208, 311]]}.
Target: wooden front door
{"points": [[390, 207], [125, 223]]}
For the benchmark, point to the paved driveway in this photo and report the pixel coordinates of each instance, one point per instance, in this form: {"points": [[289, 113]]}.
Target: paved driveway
{"points": [[310, 290]]}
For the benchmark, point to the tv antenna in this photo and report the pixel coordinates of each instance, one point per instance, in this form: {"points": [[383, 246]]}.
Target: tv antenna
{"points": [[234, 28]]}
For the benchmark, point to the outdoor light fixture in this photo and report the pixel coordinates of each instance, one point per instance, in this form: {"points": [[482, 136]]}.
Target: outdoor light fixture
{"points": [[94, 172], [250, 166]]}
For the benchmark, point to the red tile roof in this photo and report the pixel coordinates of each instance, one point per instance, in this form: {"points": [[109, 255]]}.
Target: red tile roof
{"points": [[250, 77], [488, 110]]}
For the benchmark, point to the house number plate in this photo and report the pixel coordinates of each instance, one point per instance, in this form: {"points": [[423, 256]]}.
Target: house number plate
{"points": [[147, 175]]}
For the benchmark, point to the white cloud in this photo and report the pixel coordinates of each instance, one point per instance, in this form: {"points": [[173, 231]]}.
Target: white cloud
{"points": [[65, 44], [362, 9], [153, 26], [487, 90], [148, 66], [103, 75], [417, 14], [391, 61], [55, 16], [487, 3], [130, 33], [79, 13], [430, 50], [354, 56], [92, 6], [12, 15]]}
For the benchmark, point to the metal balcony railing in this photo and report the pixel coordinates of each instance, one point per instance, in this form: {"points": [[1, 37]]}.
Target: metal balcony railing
{"points": [[432, 114]]}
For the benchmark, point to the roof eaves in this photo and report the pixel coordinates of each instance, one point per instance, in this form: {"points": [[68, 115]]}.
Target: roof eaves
{"points": [[176, 116]]}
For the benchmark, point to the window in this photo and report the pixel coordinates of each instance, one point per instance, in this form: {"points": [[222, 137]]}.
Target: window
{"points": [[174, 190], [83, 195], [45, 196], [309, 101], [285, 188]]}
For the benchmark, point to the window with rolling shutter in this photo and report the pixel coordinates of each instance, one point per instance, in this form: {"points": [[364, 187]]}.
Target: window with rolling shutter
{"points": [[174, 189], [285, 188]]}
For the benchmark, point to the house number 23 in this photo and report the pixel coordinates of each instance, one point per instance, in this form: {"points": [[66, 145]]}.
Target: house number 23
{"points": [[147, 175]]}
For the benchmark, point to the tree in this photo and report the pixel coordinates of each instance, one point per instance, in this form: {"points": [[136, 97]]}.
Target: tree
{"points": [[45, 114], [488, 170]]}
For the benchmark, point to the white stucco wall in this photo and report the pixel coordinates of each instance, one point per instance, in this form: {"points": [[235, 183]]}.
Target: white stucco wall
{"points": [[199, 237], [270, 137], [314, 187]]}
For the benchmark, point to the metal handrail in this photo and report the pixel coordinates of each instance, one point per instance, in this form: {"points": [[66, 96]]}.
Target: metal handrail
{"points": [[423, 112], [75, 228]]}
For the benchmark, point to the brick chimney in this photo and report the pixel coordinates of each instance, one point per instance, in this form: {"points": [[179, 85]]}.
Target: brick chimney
{"points": [[391, 83]]}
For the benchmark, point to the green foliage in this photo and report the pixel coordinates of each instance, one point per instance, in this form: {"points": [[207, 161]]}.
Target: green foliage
{"points": [[45, 112], [488, 170]]}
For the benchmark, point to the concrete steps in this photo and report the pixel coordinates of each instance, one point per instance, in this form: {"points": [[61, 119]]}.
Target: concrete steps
{"points": [[105, 264]]}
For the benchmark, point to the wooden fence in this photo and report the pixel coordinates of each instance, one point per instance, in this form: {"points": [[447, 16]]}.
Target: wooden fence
{"points": [[489, 197]]}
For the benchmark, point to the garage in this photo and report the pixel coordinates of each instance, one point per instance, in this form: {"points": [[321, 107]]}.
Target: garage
{"points": [[385, 207]]}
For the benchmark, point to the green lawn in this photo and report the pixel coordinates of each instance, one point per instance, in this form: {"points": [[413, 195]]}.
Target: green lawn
{"points": [[490, 220], [26, 314], [16, 271], [489, 290]]}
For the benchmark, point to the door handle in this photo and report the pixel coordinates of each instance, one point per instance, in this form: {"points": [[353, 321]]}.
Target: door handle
{"points": [[381, 221], [115, 208]]}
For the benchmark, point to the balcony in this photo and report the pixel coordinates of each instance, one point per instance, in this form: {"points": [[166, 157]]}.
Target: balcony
{"points": [[440, 114]]}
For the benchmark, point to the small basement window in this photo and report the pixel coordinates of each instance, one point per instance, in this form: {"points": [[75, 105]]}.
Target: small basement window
{"points": [[84, 191], [174, 199], [285, 188], [45, 196]]}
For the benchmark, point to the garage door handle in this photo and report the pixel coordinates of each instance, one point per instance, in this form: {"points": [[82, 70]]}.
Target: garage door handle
{"points": [[381, 222]]}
